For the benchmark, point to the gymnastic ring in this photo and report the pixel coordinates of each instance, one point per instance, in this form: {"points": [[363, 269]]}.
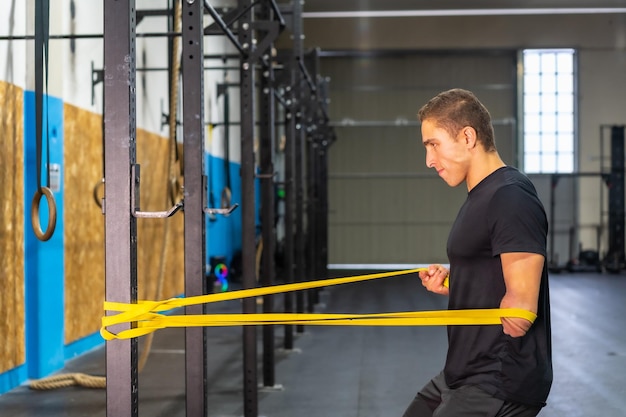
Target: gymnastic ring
{"points": [[96, 190], [226, 198], [52, 214], [175, 187]]}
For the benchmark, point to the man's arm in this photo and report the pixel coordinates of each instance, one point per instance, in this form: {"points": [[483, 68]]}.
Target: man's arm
{"points": [[522, 277]]}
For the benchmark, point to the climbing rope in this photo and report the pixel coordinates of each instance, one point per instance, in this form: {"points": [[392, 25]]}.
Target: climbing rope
{"points": [[68, 380], [143, 358], [175, 161]]}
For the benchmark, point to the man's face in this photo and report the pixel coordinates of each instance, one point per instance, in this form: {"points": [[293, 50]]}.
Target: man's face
{"points": [[448, 155]]}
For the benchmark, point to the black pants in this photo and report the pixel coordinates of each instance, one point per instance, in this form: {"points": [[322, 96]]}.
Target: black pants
{"points": [[436, 399]]}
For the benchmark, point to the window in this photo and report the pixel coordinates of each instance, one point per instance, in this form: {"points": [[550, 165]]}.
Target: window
{"points": [[548, 110]]}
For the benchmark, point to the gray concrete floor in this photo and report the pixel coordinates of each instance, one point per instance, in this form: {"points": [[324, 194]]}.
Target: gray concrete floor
{"points": [[365, 371]]}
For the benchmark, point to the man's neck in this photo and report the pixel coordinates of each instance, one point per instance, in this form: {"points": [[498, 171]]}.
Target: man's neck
{"points": [[483, 165]]}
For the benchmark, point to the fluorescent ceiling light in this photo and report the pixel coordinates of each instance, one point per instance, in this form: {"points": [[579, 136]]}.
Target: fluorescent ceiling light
{"points": [[461, 12]]}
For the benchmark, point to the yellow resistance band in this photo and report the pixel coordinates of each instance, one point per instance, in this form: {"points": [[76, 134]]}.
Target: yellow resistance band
{"points": [[145, 317]]}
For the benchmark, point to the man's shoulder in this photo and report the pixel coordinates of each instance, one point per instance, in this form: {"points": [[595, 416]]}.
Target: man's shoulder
{"points": [[511, 176]]}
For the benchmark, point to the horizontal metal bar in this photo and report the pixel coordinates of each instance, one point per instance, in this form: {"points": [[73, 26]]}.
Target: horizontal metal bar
{"points": [[399, 122], [575, 174], [222, 56], [373, 88], [205, 68], [237, 123], [87, 36], [390, 223], [381, 175], [527, 11], [152, 13], [428, 175]]}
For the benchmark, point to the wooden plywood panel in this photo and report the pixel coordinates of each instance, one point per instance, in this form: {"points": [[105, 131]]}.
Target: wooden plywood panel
{"points": [[12, 349], [160, 271], [84, 223], [160, 242]]}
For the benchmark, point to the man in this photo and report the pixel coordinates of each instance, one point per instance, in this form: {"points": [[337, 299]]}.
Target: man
{"points": [[497, 251]]}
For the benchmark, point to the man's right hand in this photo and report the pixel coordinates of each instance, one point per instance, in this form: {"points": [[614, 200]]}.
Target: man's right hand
{"points": [[434, 278]]}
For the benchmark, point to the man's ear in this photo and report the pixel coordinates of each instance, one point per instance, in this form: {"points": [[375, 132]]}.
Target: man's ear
{"points": [[469, 135]]}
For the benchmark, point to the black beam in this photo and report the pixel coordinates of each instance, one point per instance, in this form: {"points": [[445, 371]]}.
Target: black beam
{"points": [[615, 259], [323, 175], [225, 29], [223, 57], [120, 227], [289, 247], [267, 133], [141, 14], [278, 15], [87, 36], [311, 65], [300, 150], [399, 53], [193, 155], [312, 221], [248, 226]]}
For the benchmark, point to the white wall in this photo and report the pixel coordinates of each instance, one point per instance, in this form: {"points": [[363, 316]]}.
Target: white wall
{"points": [[214, 109], [71, 63], [13, 53]]}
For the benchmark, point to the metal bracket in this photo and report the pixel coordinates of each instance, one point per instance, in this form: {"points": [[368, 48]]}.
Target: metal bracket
{"points": [[135, 178], [265, 176], [272, 29], [97, 76], [224, 211]]}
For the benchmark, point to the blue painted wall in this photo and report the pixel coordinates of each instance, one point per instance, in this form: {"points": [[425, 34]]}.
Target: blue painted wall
{"points": [[44, 267], [223, 236]]}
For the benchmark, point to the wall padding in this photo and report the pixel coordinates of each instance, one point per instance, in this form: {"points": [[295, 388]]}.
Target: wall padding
{"points": [[12, 329]]}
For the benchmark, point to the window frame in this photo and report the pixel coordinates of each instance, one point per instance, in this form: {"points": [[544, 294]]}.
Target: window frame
{"points": [[572, 166]]}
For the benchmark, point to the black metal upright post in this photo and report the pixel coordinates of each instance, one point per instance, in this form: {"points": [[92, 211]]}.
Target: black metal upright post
{"points": [[120, 227], [323, 206], [289, 249], [248, 227], [615, 259], [312, 217], [267, 136], [193, 155], [327, 138], [313, 130], [300, 161]]}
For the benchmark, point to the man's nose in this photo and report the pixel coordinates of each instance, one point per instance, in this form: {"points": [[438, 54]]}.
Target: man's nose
{"points": [[430, 159]]}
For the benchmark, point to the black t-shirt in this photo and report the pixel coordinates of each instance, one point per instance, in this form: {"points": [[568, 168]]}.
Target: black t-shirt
{"points": [[502, 214]]}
